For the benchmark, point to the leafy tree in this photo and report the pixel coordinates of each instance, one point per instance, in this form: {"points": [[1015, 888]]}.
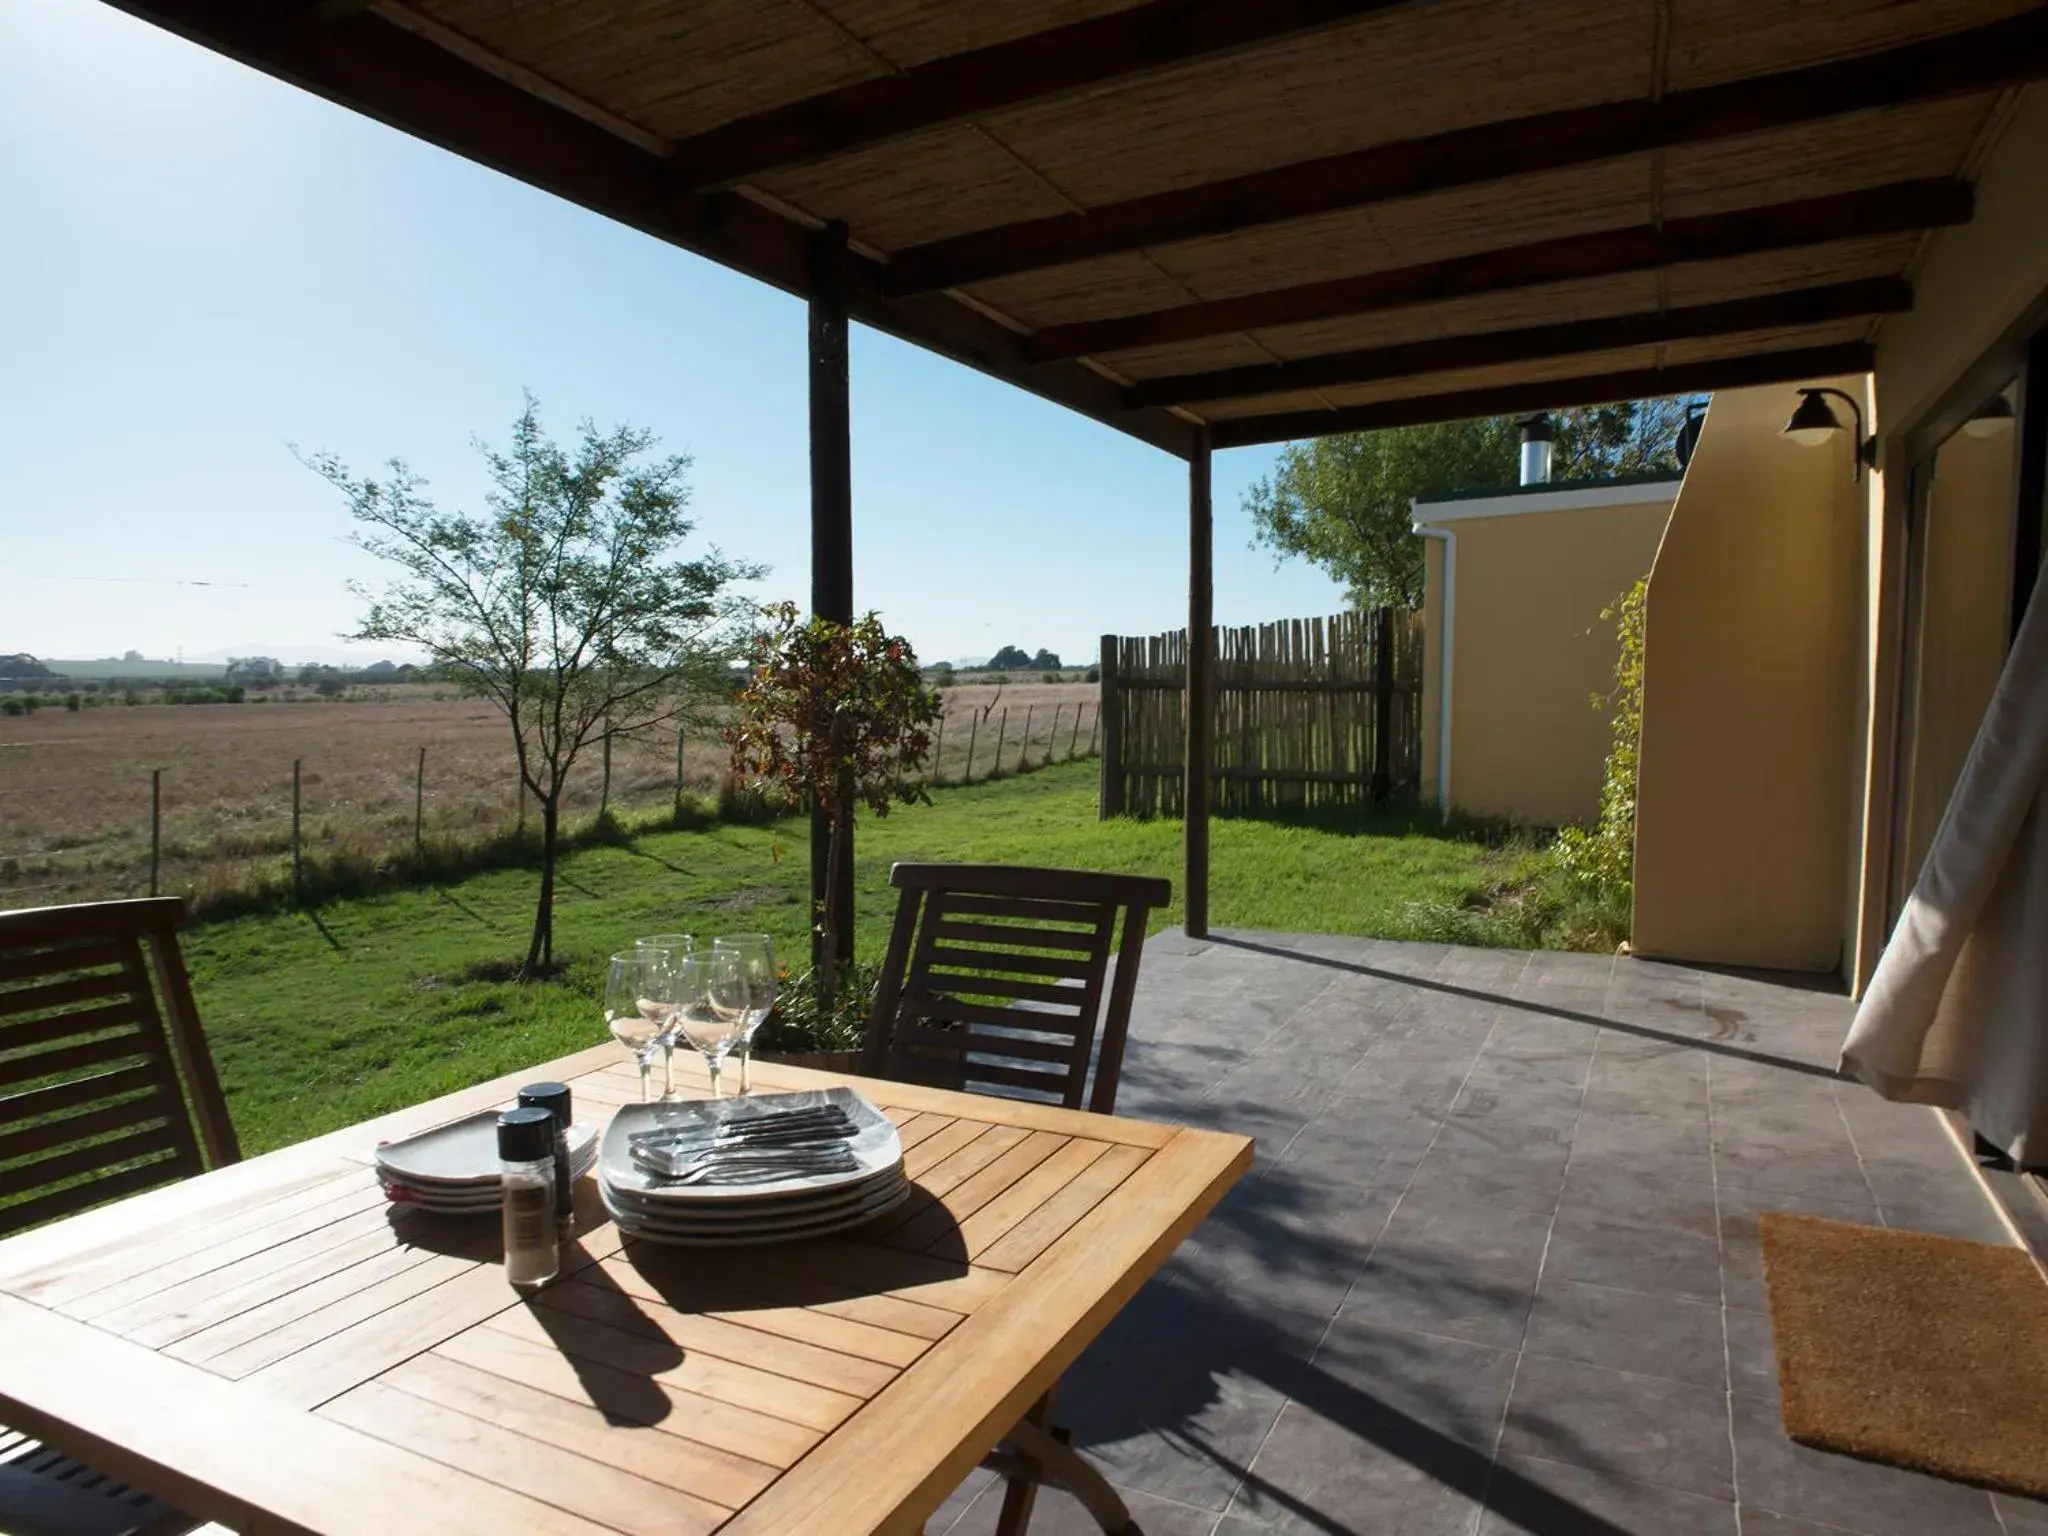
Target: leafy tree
{"points": [[255, 671], [1045, 661], [1009, 659], [564, 601], [840, 715], [1343, 501]]}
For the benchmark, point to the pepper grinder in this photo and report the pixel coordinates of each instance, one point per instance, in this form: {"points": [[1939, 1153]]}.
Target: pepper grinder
{"points": [[526, 1144], [554, 1098]]}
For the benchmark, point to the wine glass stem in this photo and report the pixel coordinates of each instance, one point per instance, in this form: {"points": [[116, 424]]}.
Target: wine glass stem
{"points": [[668, 1069], [646, 1073], [746, 1068], [713, 1063]]}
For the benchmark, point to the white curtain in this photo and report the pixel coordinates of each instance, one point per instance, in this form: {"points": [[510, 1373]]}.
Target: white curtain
{"points": [[1957, 1012]]}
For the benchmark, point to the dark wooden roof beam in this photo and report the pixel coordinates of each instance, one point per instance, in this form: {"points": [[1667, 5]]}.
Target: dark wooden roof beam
{"points": [[1147, 37], [1984, 58], [1896, 208], [1440, 354], [1551, 394]]}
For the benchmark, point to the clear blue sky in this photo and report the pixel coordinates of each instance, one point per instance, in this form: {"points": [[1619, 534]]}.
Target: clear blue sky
{"points": [[201, 265]]}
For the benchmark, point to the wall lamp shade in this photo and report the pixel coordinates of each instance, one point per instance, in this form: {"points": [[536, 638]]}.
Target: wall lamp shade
{"points": [[1993, 417], [1815, 423]]}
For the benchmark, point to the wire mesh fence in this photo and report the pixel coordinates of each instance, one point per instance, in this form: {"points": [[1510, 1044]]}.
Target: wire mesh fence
{"points": [[215, 801]]}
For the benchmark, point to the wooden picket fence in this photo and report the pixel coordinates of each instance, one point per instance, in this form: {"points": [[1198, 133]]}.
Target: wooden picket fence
{"points": [[1308, 712]]}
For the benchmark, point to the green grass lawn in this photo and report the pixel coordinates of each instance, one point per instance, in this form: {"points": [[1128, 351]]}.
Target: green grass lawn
{"points": [[319, 1019]]}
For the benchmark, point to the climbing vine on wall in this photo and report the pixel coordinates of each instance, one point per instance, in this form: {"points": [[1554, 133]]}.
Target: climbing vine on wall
{"points": [[1603, 856]]}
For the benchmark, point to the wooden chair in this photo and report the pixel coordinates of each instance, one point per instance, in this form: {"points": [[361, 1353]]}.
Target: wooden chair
{"points": [[105, 1091], [994, 983], [994, 980]]}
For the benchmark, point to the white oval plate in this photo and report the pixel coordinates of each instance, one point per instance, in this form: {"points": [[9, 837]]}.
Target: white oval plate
{"points": [[463, 1153]]}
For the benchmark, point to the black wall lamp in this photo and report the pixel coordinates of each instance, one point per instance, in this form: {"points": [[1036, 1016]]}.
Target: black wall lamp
{"points": [[1815, 422]]}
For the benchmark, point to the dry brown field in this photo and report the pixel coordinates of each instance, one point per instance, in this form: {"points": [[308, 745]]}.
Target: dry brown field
{"points": [[75, 787]]}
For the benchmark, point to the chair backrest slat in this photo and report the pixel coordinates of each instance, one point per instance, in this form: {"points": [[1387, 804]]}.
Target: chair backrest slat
{"points": [[102, 1091], [995, 979]]}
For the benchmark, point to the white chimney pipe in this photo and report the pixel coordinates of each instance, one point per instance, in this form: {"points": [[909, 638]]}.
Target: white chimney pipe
{"points": [[1538, 439]]}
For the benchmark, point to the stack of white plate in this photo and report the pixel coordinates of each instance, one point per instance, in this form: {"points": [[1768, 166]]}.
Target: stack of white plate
{"points": [[454, 1168], [768, 1210]]}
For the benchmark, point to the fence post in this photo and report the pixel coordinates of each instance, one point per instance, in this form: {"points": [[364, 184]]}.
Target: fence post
{"points": [[939, 746], [1002, 730], [1052, 742], [604, 794], [1111, 801], [973, 735], [1383, 706], [419, 812], [297, 882], [679, 773], [156, 826], [1074, 736], [1024, 742]]}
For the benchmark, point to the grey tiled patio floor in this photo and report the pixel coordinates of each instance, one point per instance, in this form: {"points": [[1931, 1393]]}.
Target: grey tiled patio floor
{"points": [[1496, 1268]]}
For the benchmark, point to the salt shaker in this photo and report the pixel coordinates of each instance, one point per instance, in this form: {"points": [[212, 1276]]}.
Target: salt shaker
{"points": [[554, 1098], [526, 1153]]}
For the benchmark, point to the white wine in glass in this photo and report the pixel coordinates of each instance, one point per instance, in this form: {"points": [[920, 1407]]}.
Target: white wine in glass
{"points": [[636, 1007]]}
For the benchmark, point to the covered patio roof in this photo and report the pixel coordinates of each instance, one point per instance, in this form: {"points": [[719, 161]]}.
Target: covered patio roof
{"points": [[1237, 221], [1215, 223]]}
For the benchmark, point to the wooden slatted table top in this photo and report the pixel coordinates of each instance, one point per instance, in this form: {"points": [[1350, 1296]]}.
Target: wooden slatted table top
{"points": [[274, 1347]]}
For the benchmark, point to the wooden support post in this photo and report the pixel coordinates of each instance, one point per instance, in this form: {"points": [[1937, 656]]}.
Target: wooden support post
{"points": [[973, 735], [1383, 706], [297, 882], [156, 827], [831, 531], [419, 811], [1074, 736], [1052, 741], [1002, 733], [1024, 742], [1200, 701], [938, 747], [1108, 722], [679, 774], [604, 794]]}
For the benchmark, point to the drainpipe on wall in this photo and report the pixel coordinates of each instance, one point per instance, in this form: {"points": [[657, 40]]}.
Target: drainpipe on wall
{"points": [[1446, 650]]}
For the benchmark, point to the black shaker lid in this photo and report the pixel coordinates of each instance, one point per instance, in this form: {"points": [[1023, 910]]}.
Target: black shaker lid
{"points": [[552, 1097], [526, 1135]]}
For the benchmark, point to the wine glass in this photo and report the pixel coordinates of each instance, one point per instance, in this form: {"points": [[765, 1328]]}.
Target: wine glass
{"points": [[712, 1028], [636, 1006], [674, 946], [757, 965]]}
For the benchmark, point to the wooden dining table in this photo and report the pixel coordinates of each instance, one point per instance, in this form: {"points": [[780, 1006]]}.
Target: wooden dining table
{"points": [[274, 1346]]}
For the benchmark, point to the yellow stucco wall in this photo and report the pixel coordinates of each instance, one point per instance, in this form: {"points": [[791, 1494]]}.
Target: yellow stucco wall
{"points": [[1977, 278], [1975, 283], [1750, 762], [1531, 651]]}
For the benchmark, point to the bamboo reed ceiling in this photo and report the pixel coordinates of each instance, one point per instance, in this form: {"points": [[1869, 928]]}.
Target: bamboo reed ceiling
{"points": [[1346, 210]]}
